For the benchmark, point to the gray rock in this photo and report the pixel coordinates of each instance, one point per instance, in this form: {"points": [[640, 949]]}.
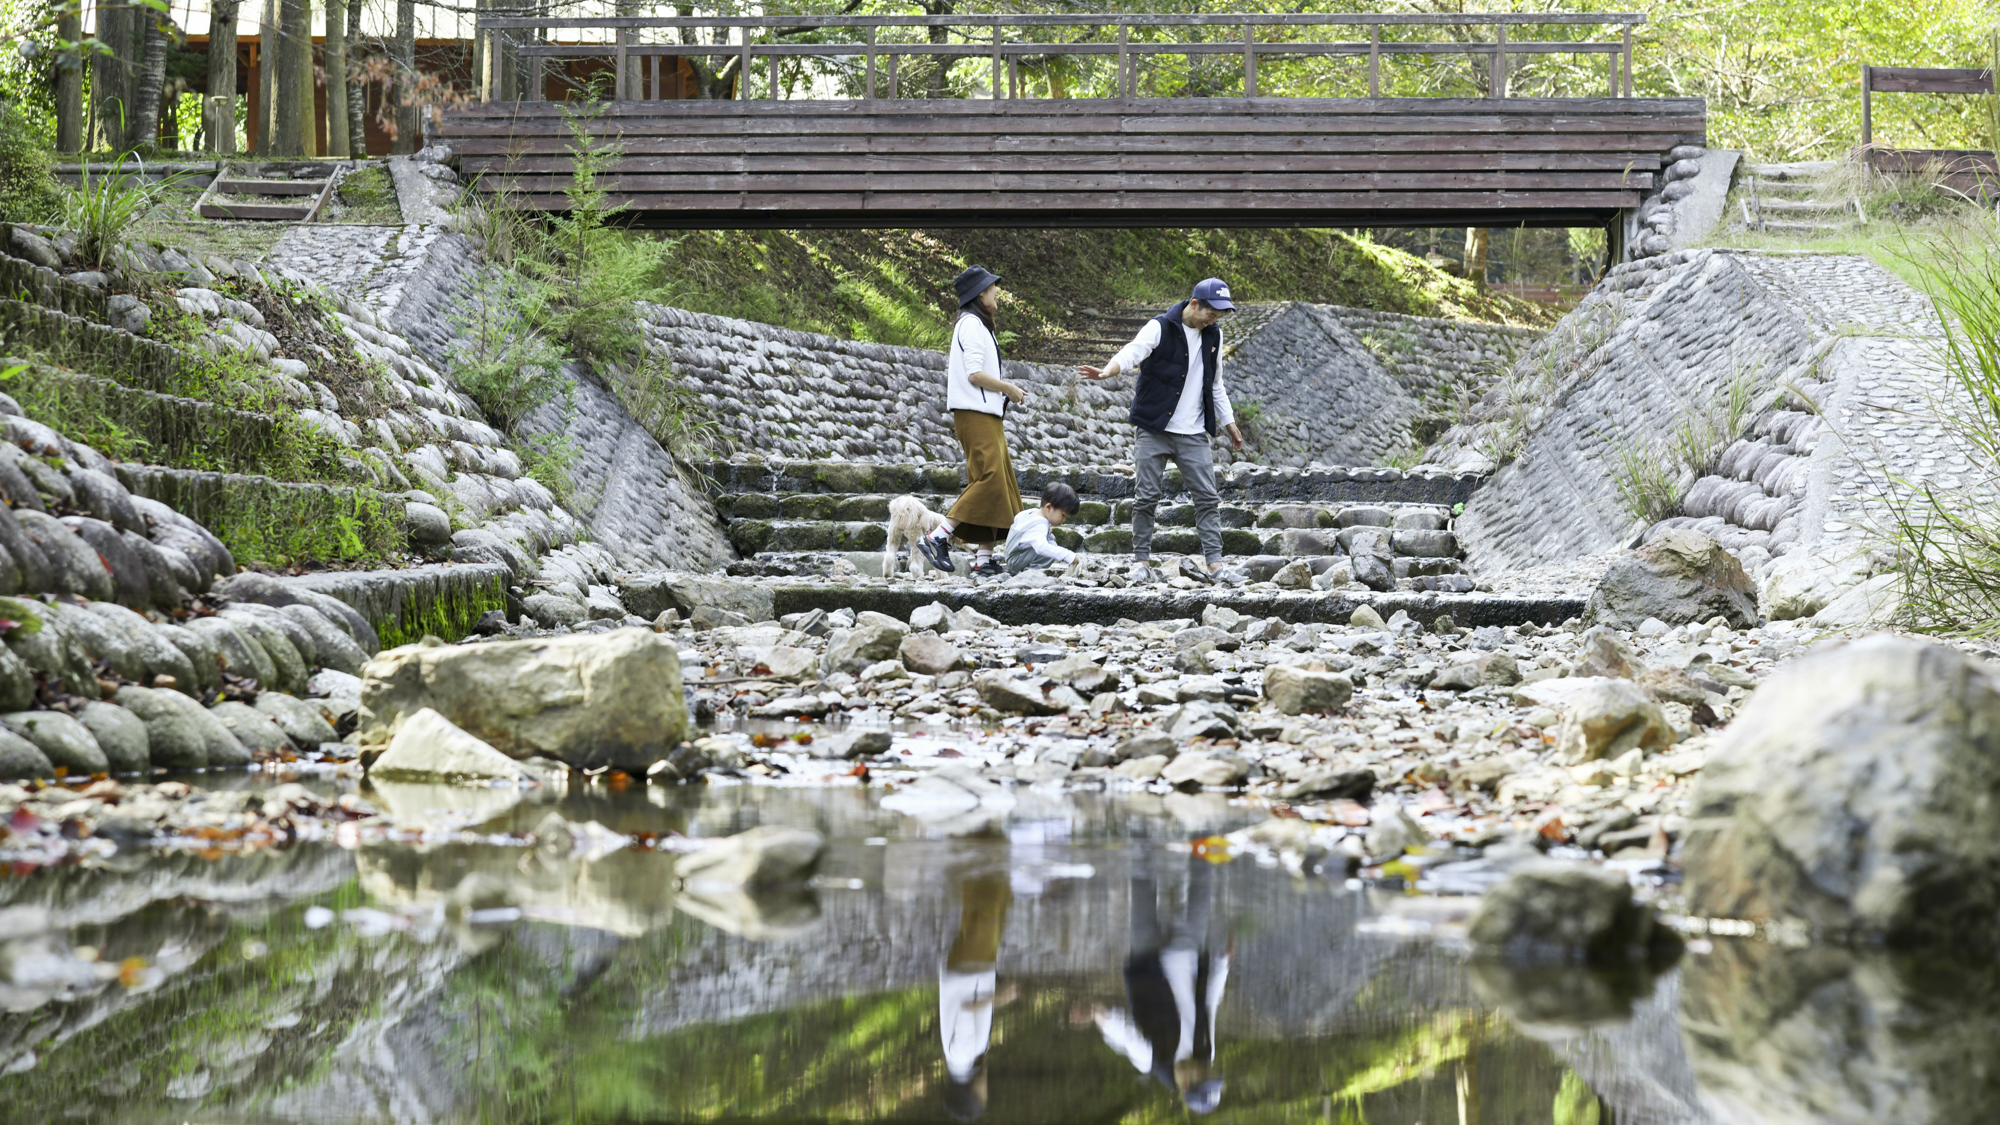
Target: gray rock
{"points": [[288, 665], [1858, 792], [1364, 517], [171, 529], [1296, 690], [928, 654], [305, 724], [1003, 692], [35, 248], [130, 583], [762, 857], [254, 729], [875, 637], [1425, 544], [854, 744], [44, 645], [648, 595], [163, 574], [1679, 577], [1421, 519], [427, 525], [333, 646], [174, 738], [706, 617], [934, 617], [67, 743], [1556, 911], [1373, 573], [1296, 575], [1328, 783], [1199, 719], [141, 642], [241, 655], [551, 610], [16, 488], [603, 605], [250, 586], [1606, 654], [1606, 718], [300, 638], [24, 568], [1145, 744], [1203, 770], [17, 683], [20, 758], [1478, 669], [127, 313], [120, 734], [102, 496], [204, 658], [74, 567]]}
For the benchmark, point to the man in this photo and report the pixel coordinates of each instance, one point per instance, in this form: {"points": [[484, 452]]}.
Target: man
{"points": [[1173, 985], [1178, 404], [978, 398]]}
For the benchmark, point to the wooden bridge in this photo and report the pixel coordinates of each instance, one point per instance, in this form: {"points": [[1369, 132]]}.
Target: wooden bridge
{"points": [[1184, 120]]}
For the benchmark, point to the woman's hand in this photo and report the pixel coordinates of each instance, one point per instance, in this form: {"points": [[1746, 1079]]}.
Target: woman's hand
{"points": [[1014, 394]]}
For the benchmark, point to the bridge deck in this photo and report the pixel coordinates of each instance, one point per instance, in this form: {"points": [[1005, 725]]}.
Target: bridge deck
{"points": [[1094, 162]]}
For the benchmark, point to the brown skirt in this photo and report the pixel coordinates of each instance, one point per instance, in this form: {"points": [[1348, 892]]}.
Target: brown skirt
{"points": [[991, 500]]}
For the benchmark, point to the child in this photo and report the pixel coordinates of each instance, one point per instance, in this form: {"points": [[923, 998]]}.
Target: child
{"points": [[1028, 544]]}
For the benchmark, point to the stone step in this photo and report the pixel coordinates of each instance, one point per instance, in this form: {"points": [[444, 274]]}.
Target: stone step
{"points": [[1421, 485], [1077, 606], [1803, 228], [405, 605], [1803, 206], [1259, 564], [875, 506]]}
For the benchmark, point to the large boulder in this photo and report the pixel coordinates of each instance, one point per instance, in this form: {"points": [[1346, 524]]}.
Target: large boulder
{"points": [[605, 699], [68, 744], [75, 566], [240, 652], [1604, 717], [20, 758], [253, 728], [306, 724], [181, 733], [652, 594], [120, 734], [1679, 577], [875, 637], [1859, 793]]}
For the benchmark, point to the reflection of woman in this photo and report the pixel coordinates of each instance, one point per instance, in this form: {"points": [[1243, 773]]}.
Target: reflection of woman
{"points": [[966, 990], [1174, 985]]}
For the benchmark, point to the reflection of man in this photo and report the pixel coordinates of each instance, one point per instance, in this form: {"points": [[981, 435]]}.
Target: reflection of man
{"points": [[966, 991], [1174, 985]]}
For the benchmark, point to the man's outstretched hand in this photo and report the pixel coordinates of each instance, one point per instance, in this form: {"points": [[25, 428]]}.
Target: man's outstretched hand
{"points": [[1093, 373], [1235, 437]]}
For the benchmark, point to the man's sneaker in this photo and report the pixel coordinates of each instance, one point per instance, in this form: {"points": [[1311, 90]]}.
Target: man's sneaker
{"points": [[937, 552], [991, 568], [1142, 575], [1197, 571]]}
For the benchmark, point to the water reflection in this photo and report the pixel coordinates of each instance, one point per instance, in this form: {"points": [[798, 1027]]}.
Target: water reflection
{"points": [[1060, 960]]}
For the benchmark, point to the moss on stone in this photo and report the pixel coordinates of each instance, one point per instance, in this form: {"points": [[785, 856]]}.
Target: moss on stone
{"points": [[450, 614]]}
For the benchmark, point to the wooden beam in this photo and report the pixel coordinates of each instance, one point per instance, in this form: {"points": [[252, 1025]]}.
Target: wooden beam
{"points": [[552, 160], [1926, 80]]}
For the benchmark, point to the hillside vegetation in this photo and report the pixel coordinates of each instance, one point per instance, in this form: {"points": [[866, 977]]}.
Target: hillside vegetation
{"points": [[895, 286]]}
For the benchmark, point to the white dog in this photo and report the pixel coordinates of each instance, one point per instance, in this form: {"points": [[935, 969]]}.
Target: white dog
{"points": [[909, 521]]}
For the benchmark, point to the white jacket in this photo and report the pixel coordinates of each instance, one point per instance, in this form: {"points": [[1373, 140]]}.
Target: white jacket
{"points": [[972, 349]]}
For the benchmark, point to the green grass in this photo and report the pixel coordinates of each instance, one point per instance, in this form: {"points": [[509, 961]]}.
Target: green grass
{"points": [[366, 195], [893, 286], [451, 615]]}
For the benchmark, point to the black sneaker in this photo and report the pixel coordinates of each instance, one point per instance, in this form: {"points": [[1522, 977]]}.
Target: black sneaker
{"points": [[937, 552], [991, 568]]}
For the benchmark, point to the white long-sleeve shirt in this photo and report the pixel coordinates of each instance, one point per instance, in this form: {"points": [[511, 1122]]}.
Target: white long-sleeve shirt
{"points": [[1031, 529], [973, 350], [1187, 413]]}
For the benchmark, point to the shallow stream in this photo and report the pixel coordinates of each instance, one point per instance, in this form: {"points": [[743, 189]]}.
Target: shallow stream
{"points": [[1048, 958]]}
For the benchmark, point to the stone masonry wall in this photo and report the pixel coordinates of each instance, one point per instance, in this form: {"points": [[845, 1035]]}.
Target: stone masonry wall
{"points": [[1440, 363]]}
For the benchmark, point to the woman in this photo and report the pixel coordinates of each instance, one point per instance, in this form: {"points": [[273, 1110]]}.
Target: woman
{"points": [[977, 397]]}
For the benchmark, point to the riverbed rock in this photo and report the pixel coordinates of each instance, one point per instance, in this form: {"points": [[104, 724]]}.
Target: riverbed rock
{"points": [[204, 658], [1002, 691], [74, 565], [20, 758], [1199, 718], [606, 699], [44, 645], [928, 654], [120, 734], [180, 732], [17, 683], [1328, 783], [1858, 792], [67, 743], [1567, 912], [334, 647], [1604, 717], [1297, 690], [294, 632], [874, 637], [430, 747], [153, 653], [1477, 669], [763, 857], [289, 667], [1604, 653], [254, 729], [1202, 770], [1679, 577]]}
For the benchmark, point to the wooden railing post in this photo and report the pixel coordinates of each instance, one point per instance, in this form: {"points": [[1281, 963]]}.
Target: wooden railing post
{"points": [[1124, 59], [1628, 60], [772, 36], [1498, 82], [1374, 60], [871, 65], [743, 68], [1249, 60], [893, 95], [1867, 122], [997, 71]]}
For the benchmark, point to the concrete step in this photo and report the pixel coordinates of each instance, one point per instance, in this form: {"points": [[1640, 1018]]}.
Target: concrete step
{"points": [[1239, 483], [1808, 206], [844, 507], [1804, 228], [783, 537]]}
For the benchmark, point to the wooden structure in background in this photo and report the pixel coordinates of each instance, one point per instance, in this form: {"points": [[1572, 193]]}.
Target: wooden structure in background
{"points": [[1972, 171], [881, 160]]}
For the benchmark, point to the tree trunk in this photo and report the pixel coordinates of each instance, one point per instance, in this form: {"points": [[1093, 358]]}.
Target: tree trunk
{"points": [[309, 127], [357, 94], [69, 84], [145, 134], [336, 79], [1475, 256], [294, 58], [406, 77], [110, 76], [267, 70], [221, 99], [942, 65]]}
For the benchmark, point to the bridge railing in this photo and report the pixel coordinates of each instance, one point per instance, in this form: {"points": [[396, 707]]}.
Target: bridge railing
{"points": [[862, 56]]}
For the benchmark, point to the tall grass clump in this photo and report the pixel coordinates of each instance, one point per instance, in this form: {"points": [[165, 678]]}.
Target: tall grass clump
{"points": [[1652, 476], [102, 210], [1949, 537]]}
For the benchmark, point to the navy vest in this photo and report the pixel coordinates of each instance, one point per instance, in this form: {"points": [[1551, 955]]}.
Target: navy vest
{"points": [[1163, 374]]}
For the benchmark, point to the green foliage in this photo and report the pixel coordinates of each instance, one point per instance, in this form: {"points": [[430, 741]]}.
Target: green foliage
{"points": [[503, 357], [286, 527], [367, 195], [450, 615], [1648, 486], [28, 192], [653, 391], [103, 208], [1949, 538]]}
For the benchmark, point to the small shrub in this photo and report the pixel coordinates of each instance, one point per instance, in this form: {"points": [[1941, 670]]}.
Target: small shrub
{"points": [[676, 417], [508, 364], [1648, 482], [102, 210], [28, 189]]}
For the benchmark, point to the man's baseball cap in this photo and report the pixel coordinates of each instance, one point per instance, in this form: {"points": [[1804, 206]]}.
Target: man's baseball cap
{"points": [[1215, 292]]}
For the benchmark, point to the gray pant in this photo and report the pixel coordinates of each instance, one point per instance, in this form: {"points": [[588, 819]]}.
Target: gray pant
{"points": [[1191, 453]]}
